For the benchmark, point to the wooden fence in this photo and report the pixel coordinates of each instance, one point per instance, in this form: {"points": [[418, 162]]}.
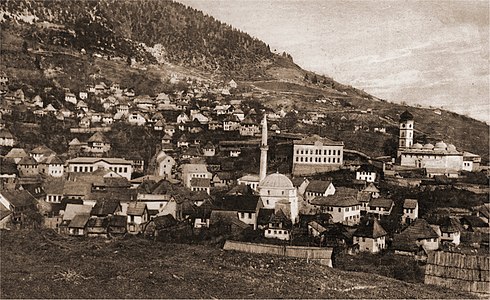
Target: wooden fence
{"points": [[316, 254], [469, 273]]}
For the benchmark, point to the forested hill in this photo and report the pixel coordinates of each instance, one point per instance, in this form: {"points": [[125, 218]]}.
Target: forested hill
{"points": [[182, 35]]}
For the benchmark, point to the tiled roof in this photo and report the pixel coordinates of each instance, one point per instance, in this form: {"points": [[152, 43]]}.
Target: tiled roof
{"points": [[18, 198], [27, 160], [311, 140], [370, 228], [363, 196], [367, 168], [43, 150], [200, 182], [98, 137], [194, 168], [318, 227], [381, 202], [16, 153], [318, 186], [343, 197], [72, 210], [104, 208], [136, 208], [242, 203], [420, 229], [79, 221], [451, 224], [410, 203], [92, 160], [371, 188], [264, 216]]}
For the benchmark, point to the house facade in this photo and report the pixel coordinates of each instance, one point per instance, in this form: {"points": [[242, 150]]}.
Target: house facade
{"points": [[120, 166], [315, 154]]}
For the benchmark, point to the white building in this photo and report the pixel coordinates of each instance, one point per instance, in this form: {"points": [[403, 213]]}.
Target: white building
{"points": [[343, 206], [366, 173], [89, 164], [319, 188], [370, 236], [315, 154], [190, 171], [410, 211], [51, 166], [165, 165]]}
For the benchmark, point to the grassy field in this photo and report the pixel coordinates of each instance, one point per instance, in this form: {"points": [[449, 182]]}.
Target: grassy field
{"points": [[46, 265]]}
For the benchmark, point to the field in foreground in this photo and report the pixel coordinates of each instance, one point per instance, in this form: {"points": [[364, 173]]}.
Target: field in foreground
{"points": [[45, 265]]}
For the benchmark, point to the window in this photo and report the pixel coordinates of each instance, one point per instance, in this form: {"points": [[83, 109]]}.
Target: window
{"points": [[340, 209]]}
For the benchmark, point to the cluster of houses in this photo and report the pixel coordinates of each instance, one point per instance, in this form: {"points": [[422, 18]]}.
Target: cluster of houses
{"points": [[88, 192]]}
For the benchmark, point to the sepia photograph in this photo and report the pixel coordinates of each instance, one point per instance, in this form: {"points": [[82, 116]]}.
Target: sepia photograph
{"points": [[244, 149]]}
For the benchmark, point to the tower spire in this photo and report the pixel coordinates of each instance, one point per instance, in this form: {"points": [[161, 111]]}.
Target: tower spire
{"points": [[263, 150]]}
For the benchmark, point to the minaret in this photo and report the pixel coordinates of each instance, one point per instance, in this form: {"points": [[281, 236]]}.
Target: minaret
{"points": [[263, 150], [405, 140]]}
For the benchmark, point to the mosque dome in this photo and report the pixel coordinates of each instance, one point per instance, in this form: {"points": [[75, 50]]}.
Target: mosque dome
{"points": [[428, 146], [417, 146], [440, 146], [276, 181], [451, 148]]}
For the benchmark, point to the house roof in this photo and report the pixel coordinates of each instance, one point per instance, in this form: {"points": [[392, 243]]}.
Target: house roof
{"points": [[343, 197], [367, 168], [371, 188], [79, 221], [242, 203], [410, 203], [370, 228], [5, 134], [92, 160], [420, 229], [194, 168], [28, 160], [264, 216], [52, 160], [16, 153], [311, 140], [136, 208], [104, 208], [98, 222], [363, 196], [474, 221], [72, 210], [76, 188], [98, 137], [317, 226], [381, 202], [278, 217], [298, 181], [53, 185], [18, 198], [8, 166], [451, 224], [200, 182], [164, 221], [43, 150], [405, 116], [318, 186]]}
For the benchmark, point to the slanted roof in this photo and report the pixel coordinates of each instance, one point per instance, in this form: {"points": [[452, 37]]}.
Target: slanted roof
{"points": [[410, 203], [136, 208], [92, 160], [200, 182], [343, 197], [474, 221], [318, 186], [278, 217], [8, 166], [16, 153], [79, 221], [43, 150], [451, 225], [52, 160], [98, 137], [371, 188], [406, 116], [28, 160], [18, 198], [363, 197], [264, 216], [72, 210], [241, 203], [5, 134], [367, 168], [104, 208], [420, 229], [381, 202], [317, 226], [313, 139], [194, 168], [370, 228], [298, 181]]}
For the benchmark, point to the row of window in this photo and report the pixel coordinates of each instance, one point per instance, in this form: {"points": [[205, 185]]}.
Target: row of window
{"points": [[319, 152], [91, 169], [249, 215], [269, 231], [355, 217], [330, 208], [318, 159]]}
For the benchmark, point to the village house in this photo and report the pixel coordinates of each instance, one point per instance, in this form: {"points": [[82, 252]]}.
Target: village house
{"points": [[16, 154], [28, 167], [138, 216], [98, 143], [247, 207], [343, 206], [136, 118], [316, 154], [380, 207], [315, 229], [370, 236], [279, 227], [51, 166], [451, 230], [190, 171], [410, 211], [366, 173], [418, 234], [201, 184], [6, 138], [209, 149], [77, 226], [71, 98], [165, 165], [249, 127], [319, 188], [19, 203]]}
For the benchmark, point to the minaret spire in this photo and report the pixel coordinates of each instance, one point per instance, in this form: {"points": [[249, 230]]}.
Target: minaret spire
{"points": [[263, 150]]}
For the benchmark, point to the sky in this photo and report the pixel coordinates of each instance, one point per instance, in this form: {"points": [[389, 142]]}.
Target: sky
{"points": [[432, 53]]}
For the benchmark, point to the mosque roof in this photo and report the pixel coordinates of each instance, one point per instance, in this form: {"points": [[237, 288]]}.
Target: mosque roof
{"points": [[276, 180], [406, 116]]}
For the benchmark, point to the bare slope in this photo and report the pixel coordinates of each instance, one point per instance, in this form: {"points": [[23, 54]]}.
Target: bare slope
{"points": [[43, 265]]}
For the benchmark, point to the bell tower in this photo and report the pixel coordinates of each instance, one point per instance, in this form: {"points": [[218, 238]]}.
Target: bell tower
{"points": [[405, 139]]}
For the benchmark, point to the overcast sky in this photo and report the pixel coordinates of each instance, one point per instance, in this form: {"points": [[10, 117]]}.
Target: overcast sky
{"points": [[426, 52]]}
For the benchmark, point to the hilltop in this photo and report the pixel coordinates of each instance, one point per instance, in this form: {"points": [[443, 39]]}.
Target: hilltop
{"points": [[142, 44]]}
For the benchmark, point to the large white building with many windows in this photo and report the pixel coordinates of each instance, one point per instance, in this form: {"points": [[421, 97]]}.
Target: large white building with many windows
{"points": [[89, 164], [316, 154]]}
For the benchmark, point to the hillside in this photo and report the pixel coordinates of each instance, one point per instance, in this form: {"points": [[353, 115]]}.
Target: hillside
{"points": [[141, 44], [45, 265]]}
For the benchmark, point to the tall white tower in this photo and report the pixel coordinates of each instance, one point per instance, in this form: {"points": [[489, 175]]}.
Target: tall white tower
{"points": [[263, 150], [405, 140]]}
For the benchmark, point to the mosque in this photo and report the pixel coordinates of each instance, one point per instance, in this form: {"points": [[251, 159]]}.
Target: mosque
{"points": [[275, 190], [438, 159]]}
